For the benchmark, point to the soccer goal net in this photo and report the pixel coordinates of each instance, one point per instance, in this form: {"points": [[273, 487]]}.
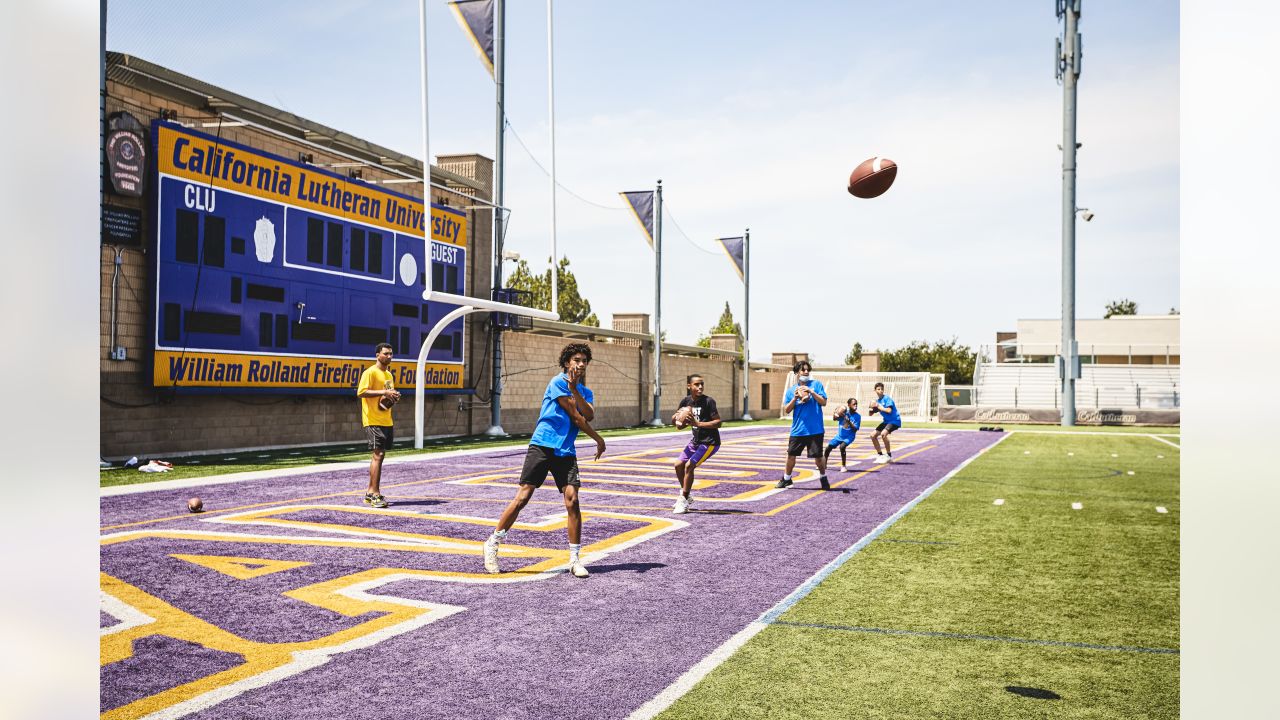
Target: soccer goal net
{"points": [[910, 390]]}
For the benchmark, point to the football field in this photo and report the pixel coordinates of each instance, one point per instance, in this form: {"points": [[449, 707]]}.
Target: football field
{"points": [[290, 598]]}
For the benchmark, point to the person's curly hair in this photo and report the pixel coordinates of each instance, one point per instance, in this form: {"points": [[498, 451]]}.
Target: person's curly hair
{"points": [[573, 349]]}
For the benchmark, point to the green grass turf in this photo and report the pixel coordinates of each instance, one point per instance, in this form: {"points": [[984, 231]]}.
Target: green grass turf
{"points": [[1031, 569]]}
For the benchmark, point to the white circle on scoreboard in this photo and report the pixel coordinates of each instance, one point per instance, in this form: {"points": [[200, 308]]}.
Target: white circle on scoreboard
{"points": [[408, 269]]}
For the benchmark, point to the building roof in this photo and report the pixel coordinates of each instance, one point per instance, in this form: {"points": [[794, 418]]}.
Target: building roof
{"points": [[158, 80]]}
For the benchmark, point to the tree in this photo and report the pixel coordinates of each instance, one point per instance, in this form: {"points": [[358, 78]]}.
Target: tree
{"points": [[1121, 307], [573, 308], [954, 360], [855, 355], [724, 326]]}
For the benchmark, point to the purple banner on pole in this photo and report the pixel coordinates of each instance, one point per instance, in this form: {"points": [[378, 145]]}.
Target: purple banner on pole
{"points": [[476, 18], [641, 204], [733, 248]]}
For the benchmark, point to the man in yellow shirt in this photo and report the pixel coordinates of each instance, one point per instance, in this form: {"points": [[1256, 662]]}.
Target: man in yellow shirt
{"points": [[377, 393]]}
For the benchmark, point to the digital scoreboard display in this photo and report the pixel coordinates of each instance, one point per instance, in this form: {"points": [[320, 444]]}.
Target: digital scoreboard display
{"points": [[277, 275]]}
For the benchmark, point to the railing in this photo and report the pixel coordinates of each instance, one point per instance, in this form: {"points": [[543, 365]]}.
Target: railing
{"points": [[1038, 351]]}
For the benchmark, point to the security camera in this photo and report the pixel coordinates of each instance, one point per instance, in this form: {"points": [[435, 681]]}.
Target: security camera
{"points": [[1086, 215]]}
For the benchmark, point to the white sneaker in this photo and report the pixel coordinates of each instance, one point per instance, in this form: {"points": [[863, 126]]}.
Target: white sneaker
{"points": [[578, 569], [888, 458], [881, 459], [682, 506], [491, 557], [844, 468]]}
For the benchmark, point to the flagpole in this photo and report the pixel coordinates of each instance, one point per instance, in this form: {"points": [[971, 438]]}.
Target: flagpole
{"points": [[499, 73], [551, 110], [657, 308], [746, 325]]}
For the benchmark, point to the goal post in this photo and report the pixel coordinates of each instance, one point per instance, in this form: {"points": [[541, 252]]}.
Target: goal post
{"points": [[911, 391]]}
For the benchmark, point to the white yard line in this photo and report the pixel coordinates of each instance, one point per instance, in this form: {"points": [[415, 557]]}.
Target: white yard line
{"points": [[1166, 442]]}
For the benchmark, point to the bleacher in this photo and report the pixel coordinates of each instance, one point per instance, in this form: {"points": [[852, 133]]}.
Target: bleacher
{"points": [[1036, 385], [1010, 385]]}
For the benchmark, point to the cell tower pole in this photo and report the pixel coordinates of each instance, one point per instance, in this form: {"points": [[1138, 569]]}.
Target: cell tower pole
{"points": [[1068, 71]]}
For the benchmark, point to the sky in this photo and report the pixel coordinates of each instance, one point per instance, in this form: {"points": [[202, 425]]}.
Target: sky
{"points": [[753, 114]]}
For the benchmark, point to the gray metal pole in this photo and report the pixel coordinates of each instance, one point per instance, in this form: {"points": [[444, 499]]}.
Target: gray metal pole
{"points": [[657, 308], [499, 71], [1069, 71], [746, 325]]}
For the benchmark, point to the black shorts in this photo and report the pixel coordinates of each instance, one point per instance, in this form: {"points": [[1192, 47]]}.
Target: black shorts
{"points": [[799, 443], [539, 461], [380, 436], [887, 427]]}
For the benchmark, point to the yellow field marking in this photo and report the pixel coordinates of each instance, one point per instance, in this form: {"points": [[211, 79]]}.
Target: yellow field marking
{"points": [[241, 568], [591, 486], [837, 484]]}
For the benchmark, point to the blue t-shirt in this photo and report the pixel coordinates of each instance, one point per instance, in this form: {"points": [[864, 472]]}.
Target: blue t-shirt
{"points": [[806, 418], [556, 430], [847, 434], [889, 411]]}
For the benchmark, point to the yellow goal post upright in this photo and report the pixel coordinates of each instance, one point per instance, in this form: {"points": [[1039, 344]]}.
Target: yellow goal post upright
{"points": [[466, 305]]}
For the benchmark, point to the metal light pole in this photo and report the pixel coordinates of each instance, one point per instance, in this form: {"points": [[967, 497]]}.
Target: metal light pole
{"points": [[657, 308], [746, 324], [499, 72], [1068, 71]]}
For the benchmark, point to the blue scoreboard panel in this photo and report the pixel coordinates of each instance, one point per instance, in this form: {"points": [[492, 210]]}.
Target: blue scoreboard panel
{"points": [[271, 274]]}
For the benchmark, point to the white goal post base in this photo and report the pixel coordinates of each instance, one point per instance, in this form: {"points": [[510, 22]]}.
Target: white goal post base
{"points": [[910, 390], [466, 306]]}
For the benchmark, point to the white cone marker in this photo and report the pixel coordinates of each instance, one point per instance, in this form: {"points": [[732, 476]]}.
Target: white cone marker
{"points": [[999, 501], [1077, 506], [1130, 472], [1160, 456], [1161, 509], [1026, 452], [1114, 455], [1071, 454]]}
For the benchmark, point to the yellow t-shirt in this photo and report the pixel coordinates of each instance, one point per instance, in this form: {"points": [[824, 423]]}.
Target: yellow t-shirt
{"points": [[374, 379]]}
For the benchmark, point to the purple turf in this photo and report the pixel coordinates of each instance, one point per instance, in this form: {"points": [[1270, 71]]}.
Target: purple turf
{"points": [[555, 647]]}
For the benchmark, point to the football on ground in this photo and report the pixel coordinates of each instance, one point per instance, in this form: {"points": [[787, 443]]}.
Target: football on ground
{"points": [[872, 177]]}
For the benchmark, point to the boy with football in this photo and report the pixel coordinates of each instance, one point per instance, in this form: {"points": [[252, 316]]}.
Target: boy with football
{"points": [[378, 394], [805, 401], [888, 410], [697, 409], [848, 422], [566, 408]]}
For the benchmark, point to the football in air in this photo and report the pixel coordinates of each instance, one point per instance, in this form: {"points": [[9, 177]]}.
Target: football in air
{"points": [[872, 177]]}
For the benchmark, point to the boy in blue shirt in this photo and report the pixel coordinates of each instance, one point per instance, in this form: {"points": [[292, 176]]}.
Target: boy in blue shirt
{"points": [[848, 421], [888, 410], [566, 408], [805, 401]]}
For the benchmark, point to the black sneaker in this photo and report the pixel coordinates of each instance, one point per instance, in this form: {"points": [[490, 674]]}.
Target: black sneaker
{"points": [[825, 484], [783, 483]]}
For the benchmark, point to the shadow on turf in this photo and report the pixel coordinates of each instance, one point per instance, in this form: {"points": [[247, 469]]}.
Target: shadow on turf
{"points": [[625, 567], [1036, 693], [396, 503]]}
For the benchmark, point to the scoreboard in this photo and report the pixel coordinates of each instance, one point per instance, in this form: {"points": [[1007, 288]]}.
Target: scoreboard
{"points": [[273, 274]]}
